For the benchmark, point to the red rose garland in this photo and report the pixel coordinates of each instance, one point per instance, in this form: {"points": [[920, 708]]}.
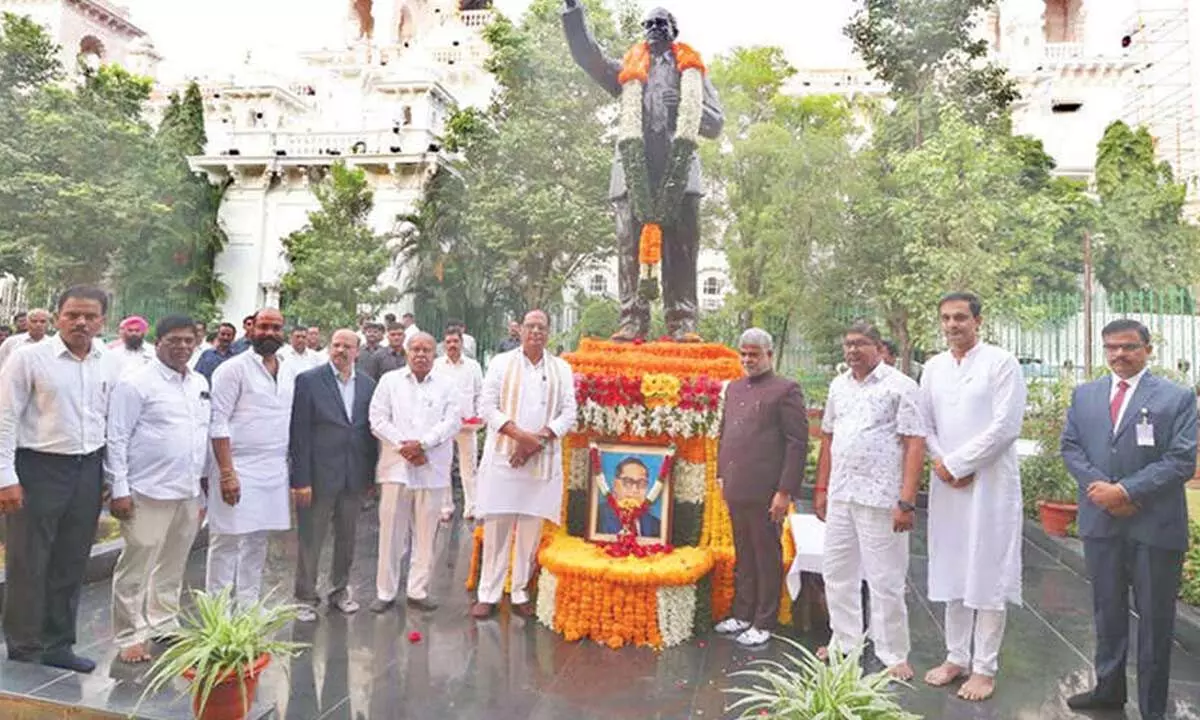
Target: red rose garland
{"points": [[627, 537]]}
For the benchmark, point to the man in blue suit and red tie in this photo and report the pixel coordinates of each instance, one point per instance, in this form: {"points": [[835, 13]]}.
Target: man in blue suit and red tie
{"points": [[1130, 443]]}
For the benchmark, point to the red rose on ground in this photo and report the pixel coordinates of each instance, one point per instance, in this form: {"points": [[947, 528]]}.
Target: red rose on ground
{"points": [[414, 637]]}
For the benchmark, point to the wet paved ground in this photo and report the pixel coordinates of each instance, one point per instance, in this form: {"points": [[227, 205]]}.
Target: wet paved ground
{"points": [[363, 667]]}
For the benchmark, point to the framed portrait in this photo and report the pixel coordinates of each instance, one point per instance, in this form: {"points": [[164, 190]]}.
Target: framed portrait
{"points": [[631, 488]]}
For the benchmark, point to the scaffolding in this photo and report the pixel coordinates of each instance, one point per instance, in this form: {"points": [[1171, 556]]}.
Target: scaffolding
{"points": [[1162, 94]]}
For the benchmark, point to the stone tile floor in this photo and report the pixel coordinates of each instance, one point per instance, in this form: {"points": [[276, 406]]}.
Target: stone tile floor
{"points": [[364, 668]]}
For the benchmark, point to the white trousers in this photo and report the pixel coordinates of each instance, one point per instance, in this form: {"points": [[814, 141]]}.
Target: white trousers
{"points": [[500, 532], [402, 511], [466, 444], [236, 562], [148, 577], [985, 627], [860, 543]]}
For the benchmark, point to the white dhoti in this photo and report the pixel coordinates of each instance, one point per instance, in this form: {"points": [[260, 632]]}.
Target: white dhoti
{"points": [[402, 511], [860, 543], [466, 444], [502, 535], [148, 578], [236, 562]]}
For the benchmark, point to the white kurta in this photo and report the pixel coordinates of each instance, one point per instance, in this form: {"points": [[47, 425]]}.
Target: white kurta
{"points": [[253, 410], [974, 411], [505, 490]]}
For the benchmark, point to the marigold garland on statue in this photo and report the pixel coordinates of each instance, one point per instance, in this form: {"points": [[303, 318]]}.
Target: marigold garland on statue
{"points": [[655, 207]]}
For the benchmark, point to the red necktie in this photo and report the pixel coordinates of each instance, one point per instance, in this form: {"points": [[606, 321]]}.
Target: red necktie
{"points": [[1115, 408]]}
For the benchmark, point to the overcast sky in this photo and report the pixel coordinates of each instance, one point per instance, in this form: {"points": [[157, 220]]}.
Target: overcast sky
{"points": [[200, 36]]}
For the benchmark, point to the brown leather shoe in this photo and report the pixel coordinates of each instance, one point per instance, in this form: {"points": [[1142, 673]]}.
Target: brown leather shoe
{"points": [[482, 610], [525, 610]]}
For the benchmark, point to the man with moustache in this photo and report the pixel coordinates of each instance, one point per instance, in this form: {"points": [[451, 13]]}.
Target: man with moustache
{"points": [[415, 416], [21, 322], [131, 350], [389, 358], [315, 346], [332, 465], [251, 409], [36, 324], [212, 358], [1130, 443], [298, 355], [760, 466], [973, 398], [466, 378], [242, 344], [868, 474], [156, 459], [53, 402], [528, 402]]}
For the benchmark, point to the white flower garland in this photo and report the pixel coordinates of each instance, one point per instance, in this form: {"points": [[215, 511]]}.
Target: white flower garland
{"points": [[676, 614], [581, 464], [640, 420], [547, 588], [690, 479]]}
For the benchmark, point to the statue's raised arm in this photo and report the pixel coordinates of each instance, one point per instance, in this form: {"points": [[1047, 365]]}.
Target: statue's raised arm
{"points": [[586, 51]]}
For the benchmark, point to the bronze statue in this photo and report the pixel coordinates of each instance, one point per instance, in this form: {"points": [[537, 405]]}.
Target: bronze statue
{"points": [[667, 104], [360, 11]]}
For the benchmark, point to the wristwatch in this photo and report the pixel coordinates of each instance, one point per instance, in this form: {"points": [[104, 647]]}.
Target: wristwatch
{"points": [[905, 506]]}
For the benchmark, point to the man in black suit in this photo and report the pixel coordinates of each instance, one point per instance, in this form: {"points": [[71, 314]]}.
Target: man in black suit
{"points": [[1130, 443], [333, 458]]}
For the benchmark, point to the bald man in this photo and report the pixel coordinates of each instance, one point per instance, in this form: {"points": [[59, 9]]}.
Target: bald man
{"points": [[37, 322], [251, 411], [333, 458]]}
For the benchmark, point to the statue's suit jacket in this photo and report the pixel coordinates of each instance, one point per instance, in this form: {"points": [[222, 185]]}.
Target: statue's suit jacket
{"points": [[604, 71], [1154, 477]]}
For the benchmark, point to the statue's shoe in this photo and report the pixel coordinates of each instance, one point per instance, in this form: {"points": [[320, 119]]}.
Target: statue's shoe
{"points": [[625, 334], [687, 337]]}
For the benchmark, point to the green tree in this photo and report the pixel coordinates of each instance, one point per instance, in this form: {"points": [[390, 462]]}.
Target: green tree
{"points": [[171, 262], [779, 186], [1142, 239], [336, 259], [530, 192]]}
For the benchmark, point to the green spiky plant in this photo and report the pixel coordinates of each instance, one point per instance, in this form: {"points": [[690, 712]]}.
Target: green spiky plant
{"points": [[219, 642], [803, 687]]}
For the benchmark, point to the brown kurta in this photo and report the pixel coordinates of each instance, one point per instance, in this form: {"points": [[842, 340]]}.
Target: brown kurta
{"points": [[764, 441]]}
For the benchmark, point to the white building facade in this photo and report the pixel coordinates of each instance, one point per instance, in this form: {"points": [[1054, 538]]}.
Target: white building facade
{"points": [[94, 32]]}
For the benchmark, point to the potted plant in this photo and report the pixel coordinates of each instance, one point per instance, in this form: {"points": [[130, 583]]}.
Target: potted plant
{"points": [[803, 687], [1049, 489], [221, 651]]}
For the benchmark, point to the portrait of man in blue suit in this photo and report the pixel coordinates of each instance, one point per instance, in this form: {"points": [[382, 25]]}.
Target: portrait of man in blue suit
{"points": [[1130, 443], [631, 483]]}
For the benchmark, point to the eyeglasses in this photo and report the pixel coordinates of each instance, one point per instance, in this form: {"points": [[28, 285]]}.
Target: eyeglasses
{"points": [[640, 483], [1127, 347], [656, 24]]}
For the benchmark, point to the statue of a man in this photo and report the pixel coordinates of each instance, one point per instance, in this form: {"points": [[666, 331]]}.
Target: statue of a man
{"points": [[667, 103]]}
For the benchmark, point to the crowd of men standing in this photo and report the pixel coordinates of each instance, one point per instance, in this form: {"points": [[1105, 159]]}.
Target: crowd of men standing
{"points": [[247, 429], [235, 431]]}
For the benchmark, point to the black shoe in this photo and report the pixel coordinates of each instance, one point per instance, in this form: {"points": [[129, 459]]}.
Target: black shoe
{"points": [[381, 606], [68, 660], [25, 657], [1091, 701]]}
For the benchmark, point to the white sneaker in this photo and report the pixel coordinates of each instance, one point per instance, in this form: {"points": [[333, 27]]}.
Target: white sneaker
{"points": [[306, 614], [732, 626], [345, 604], [753, 638]]}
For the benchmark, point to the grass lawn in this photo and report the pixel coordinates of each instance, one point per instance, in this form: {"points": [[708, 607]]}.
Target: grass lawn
{"points": [[1193, 501]]}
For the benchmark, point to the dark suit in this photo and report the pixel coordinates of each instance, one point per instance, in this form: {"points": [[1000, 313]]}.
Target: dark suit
{"points": [[335, 456], [1144, 551], [764, 445], [607, 521]]}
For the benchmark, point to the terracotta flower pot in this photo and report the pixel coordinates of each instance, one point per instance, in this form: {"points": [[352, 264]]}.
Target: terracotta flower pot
{"points": [[1056, 517], [226, 701]]}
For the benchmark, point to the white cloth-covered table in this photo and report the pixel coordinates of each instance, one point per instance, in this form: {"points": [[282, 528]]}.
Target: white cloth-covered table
{"points": [[809, 534]]}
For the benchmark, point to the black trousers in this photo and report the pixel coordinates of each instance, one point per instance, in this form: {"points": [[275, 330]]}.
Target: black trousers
{"points": [[758, 572], [341, 510], [680, 253], [1115, 565], [49, 542]]}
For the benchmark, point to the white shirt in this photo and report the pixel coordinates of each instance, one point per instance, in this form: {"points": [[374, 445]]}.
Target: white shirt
{"points": [[404, 409], [409, 332], [158, 433], [11, 343], [973, 411], [130, 361], [466, 377], [867, 420], [345, 389], [195, 358], [52, 402], [1112, 394], [500, 488], [300, 362], [254, 410]]}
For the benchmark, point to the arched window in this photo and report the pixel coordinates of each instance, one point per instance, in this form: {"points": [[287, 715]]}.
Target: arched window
{"points": [[598, 285], [712, 286], [91, 51]]}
